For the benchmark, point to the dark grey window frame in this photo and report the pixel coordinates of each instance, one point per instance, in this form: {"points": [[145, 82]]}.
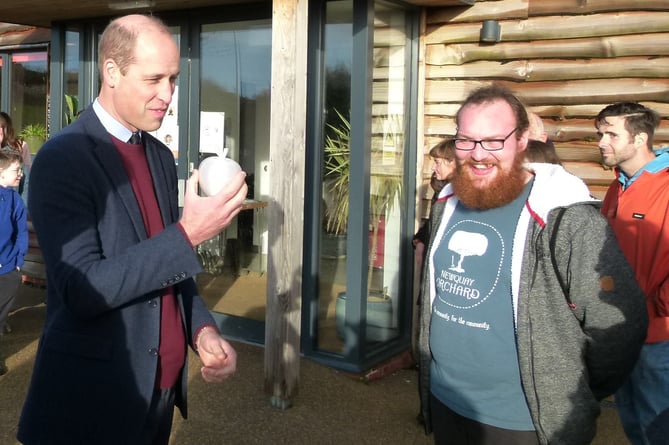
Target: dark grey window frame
{"points": [[358, 356]]}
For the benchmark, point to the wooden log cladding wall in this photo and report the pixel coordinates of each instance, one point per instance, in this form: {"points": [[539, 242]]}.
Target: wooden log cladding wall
{"points": [[566, 59]]}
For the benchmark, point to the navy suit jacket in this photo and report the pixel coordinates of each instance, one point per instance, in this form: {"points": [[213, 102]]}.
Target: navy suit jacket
{"points": [[97, 357]]}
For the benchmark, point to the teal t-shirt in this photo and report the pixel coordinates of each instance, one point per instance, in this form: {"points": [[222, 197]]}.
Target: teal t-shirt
{"points": [[474, 369]]}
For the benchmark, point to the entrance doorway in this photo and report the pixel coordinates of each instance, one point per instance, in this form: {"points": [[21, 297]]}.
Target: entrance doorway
{"points": [[233, 120]]}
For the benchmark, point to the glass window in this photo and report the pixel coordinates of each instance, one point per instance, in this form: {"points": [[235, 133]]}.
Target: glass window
{"points": [[28, 88], [1, 69], [387, 169], [337, 60], [386, 151], [71, 76], [235, 70]]}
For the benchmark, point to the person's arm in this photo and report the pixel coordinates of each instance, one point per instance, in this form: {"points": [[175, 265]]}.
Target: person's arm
{"points": [[605, 297], [423, 234], [20, 217], [89, 232]]}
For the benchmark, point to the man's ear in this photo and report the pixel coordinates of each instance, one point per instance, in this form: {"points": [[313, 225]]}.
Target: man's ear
{"points": [[641, 139], [524, 140], [110, 72]]}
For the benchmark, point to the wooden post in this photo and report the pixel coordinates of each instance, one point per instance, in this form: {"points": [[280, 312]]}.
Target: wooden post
{"points": [[286, 209]]}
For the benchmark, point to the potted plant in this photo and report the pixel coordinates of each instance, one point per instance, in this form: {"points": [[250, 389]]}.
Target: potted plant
{"points": [[72, 110], [336, 188], [35, 135], [385, 188]]}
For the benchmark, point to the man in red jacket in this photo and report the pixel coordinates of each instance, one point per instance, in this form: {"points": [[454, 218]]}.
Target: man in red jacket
{"points": [[637, 207]]}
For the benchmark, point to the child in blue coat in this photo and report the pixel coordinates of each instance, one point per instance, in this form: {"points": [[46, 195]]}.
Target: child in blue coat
{"points": [[13, 236]]}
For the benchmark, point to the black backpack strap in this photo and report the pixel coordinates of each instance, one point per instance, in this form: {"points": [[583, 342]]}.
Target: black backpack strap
{"points": [[553, 240]]}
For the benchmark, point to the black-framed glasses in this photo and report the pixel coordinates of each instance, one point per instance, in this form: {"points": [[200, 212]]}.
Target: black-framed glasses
{"points": [[486, 144]]}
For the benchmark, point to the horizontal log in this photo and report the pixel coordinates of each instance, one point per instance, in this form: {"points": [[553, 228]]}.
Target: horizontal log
{"points": [[484, 10], [584, 129], [579, 153], [481, 10], [591, 173], [558, 131], [554, 112], [439, 127], [601, 47], [388, 37], [557, 93], [598, 192], [558, 7], [559, 112], [555, 27], [553, 69], [595, 91], [381, 92], [462, 4]]}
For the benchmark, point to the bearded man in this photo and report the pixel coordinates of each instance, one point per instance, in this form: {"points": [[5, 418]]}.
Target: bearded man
{"points": [[534, 314]]}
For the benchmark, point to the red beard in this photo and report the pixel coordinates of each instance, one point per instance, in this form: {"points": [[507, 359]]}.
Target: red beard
{"points": [[505, 187]]}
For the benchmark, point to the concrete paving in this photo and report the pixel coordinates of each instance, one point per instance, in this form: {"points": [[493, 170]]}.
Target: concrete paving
{"points": [[331, 407]]}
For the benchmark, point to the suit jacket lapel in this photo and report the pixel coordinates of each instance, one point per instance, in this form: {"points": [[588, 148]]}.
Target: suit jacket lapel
{"points": [[160, 179], [111, 162]]}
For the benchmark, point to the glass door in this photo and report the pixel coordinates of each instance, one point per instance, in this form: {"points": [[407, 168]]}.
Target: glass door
{"points": [[358, 300], [234, 108]]}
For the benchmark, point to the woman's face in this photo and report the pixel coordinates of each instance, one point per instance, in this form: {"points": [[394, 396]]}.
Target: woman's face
{"points": [[443, 168]]}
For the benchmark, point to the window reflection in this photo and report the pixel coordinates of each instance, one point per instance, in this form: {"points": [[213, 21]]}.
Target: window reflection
{"points": [[71, 77], [28, 88], [234, 117], [386, 150]]}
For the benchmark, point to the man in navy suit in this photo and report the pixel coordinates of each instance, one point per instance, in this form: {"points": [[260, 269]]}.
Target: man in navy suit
{"points": [[122, 303]]}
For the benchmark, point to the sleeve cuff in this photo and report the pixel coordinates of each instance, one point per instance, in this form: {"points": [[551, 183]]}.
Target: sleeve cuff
{"points": [[183, 232]]}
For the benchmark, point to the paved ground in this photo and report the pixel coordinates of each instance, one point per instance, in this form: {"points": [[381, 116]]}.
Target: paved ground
{"points": [[331, 408]]}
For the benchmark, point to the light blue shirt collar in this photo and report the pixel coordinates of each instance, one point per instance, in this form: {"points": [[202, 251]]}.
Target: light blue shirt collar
{"points": [[660, 162], [113, 127]]}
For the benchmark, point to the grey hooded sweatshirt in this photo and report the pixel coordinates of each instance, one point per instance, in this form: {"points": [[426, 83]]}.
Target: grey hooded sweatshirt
{"points": [[580, 315]]}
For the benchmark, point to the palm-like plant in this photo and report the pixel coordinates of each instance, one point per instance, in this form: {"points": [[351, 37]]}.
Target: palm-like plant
{"points": [[35, 135], [72, 108], [337, 171], [385, 187]]}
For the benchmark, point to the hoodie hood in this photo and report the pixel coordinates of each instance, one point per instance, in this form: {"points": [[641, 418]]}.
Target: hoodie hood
{"points": [[555, 187]]}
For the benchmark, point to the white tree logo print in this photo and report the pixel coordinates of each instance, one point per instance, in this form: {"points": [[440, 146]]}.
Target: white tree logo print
{"points": [[466, 244]]}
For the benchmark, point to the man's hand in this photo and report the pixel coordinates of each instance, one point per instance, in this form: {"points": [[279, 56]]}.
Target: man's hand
{"points": [[218, 357], [205, 217]]}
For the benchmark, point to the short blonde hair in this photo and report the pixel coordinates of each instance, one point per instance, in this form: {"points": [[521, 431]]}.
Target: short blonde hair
{"points": [[119, 38]]}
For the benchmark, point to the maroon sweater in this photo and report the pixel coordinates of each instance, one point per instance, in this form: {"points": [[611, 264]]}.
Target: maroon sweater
{"points": [[172, 338]]}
